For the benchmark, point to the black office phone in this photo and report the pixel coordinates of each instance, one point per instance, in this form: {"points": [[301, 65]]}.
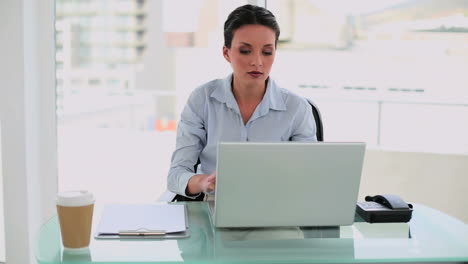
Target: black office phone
{"points": [[387, 208]]}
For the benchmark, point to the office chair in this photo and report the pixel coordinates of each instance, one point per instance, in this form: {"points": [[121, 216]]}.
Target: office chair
{"points": [[318, 121], [319, 135]]}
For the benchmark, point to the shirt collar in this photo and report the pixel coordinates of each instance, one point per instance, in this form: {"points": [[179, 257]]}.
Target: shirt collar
{"points": [[273, 98], [223, 93]]}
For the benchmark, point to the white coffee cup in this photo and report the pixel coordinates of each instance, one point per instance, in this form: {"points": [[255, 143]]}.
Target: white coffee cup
{"points": [[75, 212]]}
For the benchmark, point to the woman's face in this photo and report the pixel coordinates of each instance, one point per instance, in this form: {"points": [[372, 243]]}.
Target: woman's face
{"points": [[251, 54]]}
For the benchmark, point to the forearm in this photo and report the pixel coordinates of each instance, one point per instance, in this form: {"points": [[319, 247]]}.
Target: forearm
{"points": [[201, 183], [177, 180], [193, 186]]}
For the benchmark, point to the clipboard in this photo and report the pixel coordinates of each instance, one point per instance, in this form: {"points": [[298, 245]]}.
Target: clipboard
{"points": [[143, 221]]}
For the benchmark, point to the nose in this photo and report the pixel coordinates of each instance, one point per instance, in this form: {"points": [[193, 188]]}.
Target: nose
{"points": [[257, 60]]}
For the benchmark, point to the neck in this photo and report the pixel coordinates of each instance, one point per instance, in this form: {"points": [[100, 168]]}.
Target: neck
{"points": [[245, 93]]}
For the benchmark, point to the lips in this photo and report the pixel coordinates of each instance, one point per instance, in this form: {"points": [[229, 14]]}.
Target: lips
{"points": [[255, 74]]}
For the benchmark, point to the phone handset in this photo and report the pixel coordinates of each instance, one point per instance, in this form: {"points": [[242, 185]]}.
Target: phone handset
{"points": [[391, 201]]}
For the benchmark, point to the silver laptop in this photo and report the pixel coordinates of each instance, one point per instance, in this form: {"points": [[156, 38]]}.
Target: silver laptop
{"points": [[287, 184]]}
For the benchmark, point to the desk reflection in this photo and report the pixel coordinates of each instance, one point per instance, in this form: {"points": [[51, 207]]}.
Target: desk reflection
{"points": [[83, 256], [198, 247], [241, 244], [281, 243]]}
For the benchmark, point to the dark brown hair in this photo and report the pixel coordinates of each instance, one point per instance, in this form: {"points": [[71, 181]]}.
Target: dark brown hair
{"points": [[249, 15]]}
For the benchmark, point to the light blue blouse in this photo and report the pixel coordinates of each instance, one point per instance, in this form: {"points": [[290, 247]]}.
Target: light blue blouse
{"points": [[212, 115]]}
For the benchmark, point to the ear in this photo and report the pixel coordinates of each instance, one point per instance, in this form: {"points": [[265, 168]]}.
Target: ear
{"points": [[226, 54]]}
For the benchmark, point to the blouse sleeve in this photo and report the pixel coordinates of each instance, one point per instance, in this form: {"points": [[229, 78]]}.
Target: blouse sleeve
{"points": [[191, 138], [304, 124]]}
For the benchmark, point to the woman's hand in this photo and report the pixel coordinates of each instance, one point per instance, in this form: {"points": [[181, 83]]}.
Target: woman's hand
{"points": [[201, 183]]}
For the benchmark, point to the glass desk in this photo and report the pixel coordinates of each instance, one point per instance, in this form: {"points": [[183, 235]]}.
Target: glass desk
{"points": [[429, 236]]}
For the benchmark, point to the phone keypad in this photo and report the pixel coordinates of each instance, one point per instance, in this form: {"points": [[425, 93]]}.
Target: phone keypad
{"points": [[371, 205]]}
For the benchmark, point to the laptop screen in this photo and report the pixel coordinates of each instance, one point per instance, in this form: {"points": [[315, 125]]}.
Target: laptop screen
{"points": [[287, 184]]}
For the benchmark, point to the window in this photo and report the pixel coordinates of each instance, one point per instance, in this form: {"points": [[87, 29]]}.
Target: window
{"points": [[126, 69]]}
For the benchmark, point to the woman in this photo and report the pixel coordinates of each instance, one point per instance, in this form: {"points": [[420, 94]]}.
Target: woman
{"points": [[245, 106]]}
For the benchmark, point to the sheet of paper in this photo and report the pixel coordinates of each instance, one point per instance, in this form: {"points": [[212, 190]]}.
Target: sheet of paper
{"points": [[169, 218]]}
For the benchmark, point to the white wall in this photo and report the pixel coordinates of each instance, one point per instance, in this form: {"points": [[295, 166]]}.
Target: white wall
{"points": [[2, 218], [27, 116], [436, 180]]}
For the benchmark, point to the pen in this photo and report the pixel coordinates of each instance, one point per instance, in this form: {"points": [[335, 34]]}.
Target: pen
{"points": [[139, 233]]}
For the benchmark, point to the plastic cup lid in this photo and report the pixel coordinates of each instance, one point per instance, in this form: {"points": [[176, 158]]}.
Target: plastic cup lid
{"points": [[75, 198]]}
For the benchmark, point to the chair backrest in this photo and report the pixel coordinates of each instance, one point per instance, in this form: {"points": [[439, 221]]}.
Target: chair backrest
{"points": [[318, 120], [319, 135]]}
